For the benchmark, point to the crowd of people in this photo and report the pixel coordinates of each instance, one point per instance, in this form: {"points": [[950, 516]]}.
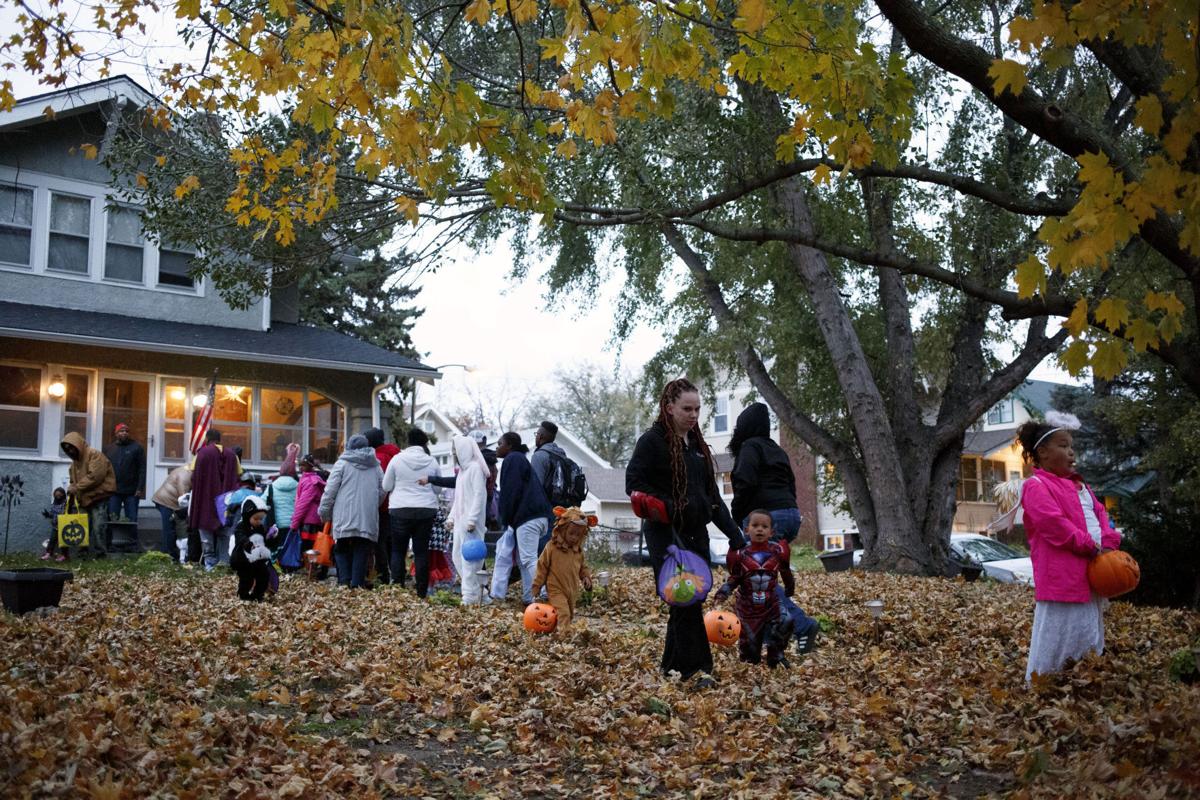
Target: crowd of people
{"points": [[377, 501]]}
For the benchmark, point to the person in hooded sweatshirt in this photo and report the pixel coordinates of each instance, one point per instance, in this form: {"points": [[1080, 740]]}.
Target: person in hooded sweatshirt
{"points": [[468, 512], [92, 482], [251, 559], [385, 452], [281, 502], [351, 502], [412, 507], [762, 478]]}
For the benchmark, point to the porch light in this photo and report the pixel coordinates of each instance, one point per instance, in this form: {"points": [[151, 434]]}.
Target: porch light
{"points": [[199, 400], [57, 388]]}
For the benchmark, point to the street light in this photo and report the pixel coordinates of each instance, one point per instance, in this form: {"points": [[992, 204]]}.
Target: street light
{"points": [[412, 403]]}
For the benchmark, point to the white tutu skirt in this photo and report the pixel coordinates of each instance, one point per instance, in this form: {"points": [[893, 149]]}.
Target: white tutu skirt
{"points": [[1062, 631]]}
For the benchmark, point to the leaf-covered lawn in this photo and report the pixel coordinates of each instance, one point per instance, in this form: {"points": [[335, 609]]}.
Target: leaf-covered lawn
{"points": [[164, 684]]}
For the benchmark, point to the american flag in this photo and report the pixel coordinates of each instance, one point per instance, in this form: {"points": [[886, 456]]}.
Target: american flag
{"points": [[200, 429]]}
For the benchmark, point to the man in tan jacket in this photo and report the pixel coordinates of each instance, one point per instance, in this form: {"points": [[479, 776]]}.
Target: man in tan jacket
{"points": [[92, 482]]}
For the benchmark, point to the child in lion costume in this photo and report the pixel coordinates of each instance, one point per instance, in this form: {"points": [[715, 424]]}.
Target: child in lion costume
{"points": [[560, 567]]}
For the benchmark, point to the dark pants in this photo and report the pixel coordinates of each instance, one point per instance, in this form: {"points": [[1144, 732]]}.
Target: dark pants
{"points": [[774, 634], [351, 554], [126, 504], [417, 530], [685, 649], [167, 542], [383, 548], [253, 579]]}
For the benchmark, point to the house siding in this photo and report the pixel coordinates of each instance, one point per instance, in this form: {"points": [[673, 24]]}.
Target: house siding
{"points": [[43, 152]]}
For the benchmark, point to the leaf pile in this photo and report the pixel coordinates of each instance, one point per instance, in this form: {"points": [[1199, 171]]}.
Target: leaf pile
{"points": [[150, 684]]}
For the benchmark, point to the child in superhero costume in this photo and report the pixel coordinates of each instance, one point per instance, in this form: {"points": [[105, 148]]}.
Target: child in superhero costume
{"points": [[754, 571]]}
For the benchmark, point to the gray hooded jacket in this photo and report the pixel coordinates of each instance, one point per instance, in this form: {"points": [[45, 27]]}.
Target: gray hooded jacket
{"points": [[542, 462], [353, 493]]}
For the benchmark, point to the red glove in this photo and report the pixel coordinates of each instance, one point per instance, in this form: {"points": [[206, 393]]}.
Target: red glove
{"points": [[647, 506]]}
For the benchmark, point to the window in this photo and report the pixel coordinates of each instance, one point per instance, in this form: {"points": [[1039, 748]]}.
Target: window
{"points": [[835, 541], [173, 264], [1001, 413], [721, 415], [282, 416], [75, 404], [16, 225], [176, 430], [70, 231], [968, 480], [726, 481], [426, 425], [20, 404], [232, 417], [326, 421], [994, 474], [124, 253]]}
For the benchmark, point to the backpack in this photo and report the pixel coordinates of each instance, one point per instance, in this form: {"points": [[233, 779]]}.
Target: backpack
{"points": [[565, 484]]}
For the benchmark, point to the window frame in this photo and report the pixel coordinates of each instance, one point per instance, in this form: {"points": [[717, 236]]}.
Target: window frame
{"points": [[721, 418], [36, 409], [51, 232], [45, 185], [109, 208], [89, 402], [33, 220], [977, 481], [1002, 413]]}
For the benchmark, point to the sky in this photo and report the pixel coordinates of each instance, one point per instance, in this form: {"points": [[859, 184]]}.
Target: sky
{"points": [[475, 314]]}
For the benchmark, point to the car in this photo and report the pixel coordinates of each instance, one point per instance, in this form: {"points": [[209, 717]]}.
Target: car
{"points": [[718, 549], [1000, 562]]}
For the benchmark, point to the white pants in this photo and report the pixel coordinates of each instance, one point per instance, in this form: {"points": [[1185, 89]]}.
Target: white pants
{"points": [[467, 569], [525, 537]]}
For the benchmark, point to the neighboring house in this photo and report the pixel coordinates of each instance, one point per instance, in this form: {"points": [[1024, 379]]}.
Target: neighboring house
{"points": [[438, 427], [718, 420], [100, 324]]}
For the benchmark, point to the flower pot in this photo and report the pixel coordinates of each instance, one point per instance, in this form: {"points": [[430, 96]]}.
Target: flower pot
{"points": [[24, 590], [837, 560]]}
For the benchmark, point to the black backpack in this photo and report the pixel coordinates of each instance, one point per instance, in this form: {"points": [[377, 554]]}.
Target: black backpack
{"points": [[565, 484]]}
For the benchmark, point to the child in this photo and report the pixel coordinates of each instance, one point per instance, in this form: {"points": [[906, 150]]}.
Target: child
{"points": [[180, 517], [250, 558], [560, 567], [1066, 527], [58, 505], [753, 571]]}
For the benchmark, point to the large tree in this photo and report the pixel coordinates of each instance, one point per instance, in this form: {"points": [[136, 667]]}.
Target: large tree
{"points": [[483, 106], [604, 409]]}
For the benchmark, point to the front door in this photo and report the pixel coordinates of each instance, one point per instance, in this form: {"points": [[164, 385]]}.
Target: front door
{"points": [[127, 400]]}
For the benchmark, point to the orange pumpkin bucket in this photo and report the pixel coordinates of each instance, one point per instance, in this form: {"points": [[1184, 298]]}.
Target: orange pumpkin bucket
{"points": [[722, 627], [540, 618], [1114, 573]]}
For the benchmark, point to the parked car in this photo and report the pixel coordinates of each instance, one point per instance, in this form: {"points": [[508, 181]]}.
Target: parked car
{"points": [[1000, 562], [718, 549]]}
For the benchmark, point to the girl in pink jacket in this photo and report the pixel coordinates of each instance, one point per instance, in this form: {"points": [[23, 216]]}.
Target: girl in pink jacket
{"points": [[305, 518], [1066, 527]]}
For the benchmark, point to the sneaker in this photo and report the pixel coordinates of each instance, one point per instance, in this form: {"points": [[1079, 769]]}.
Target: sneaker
{"points": [[60, 558], [806, 644], [704, 681], [44, 557]]}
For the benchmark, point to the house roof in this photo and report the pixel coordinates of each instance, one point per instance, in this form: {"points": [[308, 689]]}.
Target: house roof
{"points": [[298, 345], [607, 485], [593, 459], [442, 419], [984, 443], [1037, 396], [77, 100]]}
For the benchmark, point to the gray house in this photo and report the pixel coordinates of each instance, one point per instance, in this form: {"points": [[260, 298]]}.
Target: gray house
{"points": [[100, 324]]}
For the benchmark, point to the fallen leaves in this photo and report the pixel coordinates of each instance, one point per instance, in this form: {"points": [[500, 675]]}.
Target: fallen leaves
{"points": [[326, 693]]}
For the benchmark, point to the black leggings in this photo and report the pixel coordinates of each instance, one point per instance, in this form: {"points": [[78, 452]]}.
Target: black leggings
{"points": [[253, 579], [418, 531]]}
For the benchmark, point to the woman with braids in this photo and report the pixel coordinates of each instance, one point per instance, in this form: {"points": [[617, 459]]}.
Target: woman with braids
{"points": [[671, 483]]}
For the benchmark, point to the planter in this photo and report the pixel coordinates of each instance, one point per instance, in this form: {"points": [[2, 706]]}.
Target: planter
{"points": [[24, 590], [971, 574], [837, 561]]}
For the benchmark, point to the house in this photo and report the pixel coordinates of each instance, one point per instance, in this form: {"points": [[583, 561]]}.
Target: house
{"points": [[99, 324], [441, 431]]}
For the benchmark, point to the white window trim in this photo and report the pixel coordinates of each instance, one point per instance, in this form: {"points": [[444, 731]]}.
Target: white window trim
{"points": [[33, 226], [43, 185], [719, 415], [39, 410]]}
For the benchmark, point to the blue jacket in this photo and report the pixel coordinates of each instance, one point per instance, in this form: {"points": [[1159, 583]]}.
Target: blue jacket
{"points": [[521, 497]]}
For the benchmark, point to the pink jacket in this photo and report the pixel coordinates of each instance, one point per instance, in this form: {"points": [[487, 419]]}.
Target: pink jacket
{"points": [[308, 499], [1059, 543]]}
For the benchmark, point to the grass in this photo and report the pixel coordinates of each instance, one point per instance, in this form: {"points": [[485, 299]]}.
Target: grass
{"points": [[146, 564], [804, 559]]}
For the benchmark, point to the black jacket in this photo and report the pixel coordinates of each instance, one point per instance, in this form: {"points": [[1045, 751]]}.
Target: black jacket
{"points": [[649, 471], [521, 496], [129, 465], [241, 538], [762, 472]]}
